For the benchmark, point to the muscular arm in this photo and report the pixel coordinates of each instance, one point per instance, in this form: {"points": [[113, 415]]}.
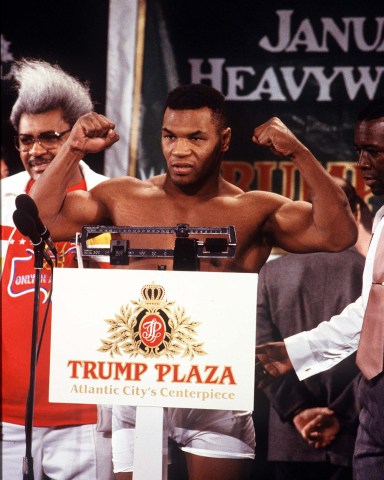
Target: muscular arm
{"points": [[65, 213], [325, 225]]}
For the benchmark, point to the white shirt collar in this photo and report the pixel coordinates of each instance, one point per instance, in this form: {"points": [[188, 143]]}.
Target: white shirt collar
{"points": [[379, 215]]}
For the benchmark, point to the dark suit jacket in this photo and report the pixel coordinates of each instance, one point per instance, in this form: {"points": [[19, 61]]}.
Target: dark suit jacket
{"points": [[296, 293]]}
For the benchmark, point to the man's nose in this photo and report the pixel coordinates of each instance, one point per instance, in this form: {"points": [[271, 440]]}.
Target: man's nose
{"points": [[36, 148], [181, 147], [363, 160]]}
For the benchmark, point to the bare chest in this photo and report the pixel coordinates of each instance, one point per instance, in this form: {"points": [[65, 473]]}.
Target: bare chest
{"points": [[251, 249]]}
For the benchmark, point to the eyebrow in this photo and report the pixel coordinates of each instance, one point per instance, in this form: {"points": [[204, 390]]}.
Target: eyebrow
{"points": [[31, 135], [365, 145], [191, 134]]}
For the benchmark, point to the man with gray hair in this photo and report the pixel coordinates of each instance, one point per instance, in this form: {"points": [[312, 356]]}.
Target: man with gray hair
{"points": [[65, 440]]}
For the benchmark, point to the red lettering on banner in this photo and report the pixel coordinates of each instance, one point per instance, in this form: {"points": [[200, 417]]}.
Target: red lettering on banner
{"points": [[241, 174], [89, 369], [264, 173], [208, 375], [74, 364], [362, 190], [194, 373], [244, 176], [337, 169], [106, 370], [163, 369]]}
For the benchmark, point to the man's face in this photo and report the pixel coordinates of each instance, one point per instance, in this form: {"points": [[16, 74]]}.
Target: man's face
{"points": [[193, 145], [369, 142], [38, 157]]}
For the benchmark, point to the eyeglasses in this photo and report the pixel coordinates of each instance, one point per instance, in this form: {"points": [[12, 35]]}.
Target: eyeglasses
{"points": [[47, 140]]}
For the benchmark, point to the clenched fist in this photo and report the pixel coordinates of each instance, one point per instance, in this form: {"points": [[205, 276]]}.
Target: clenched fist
{"points": [[278, 138], [92, 133]]}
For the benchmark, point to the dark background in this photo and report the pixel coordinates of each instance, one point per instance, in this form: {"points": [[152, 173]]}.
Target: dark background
{"points": [[71, 33], [75, 34], [232, 30]]}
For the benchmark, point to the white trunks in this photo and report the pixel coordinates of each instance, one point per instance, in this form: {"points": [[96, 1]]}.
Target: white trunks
{"points": [[209, 433]]}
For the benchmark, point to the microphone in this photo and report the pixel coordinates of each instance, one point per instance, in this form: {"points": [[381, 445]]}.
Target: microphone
{"points": [[26, 203], [26, 226]]}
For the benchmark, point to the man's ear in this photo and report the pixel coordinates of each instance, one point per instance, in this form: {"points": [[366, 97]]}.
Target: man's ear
{"points": [[226, 139]]}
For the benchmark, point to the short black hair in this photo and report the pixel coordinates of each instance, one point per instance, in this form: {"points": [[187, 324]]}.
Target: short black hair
{"points": [[195, 96], [374, 110]]}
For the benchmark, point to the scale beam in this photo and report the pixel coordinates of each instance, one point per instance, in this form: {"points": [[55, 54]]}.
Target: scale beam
{"points": [[211, 246]]}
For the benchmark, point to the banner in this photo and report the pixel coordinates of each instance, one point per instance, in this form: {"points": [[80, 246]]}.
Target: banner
{"points": [[154, 338], [72, 34], [315, 68], [122, 47]]}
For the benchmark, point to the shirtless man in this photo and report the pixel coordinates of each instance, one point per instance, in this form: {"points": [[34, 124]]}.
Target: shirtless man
{"points": [[195, 137]]}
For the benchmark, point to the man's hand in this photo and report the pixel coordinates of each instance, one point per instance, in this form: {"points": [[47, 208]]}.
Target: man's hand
{"points": [[277, 137], [92, 133], [318, 426], [272, 361]]}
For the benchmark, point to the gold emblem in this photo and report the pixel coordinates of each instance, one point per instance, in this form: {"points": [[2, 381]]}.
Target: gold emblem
{"points": [[152, 326]]}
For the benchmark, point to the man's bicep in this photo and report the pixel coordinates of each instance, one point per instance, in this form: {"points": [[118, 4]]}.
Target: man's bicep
{"points": [[293, 229], [80, 208]]}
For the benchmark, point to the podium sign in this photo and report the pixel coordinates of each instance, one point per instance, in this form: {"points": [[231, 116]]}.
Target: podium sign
{"points": [[153, 338]]}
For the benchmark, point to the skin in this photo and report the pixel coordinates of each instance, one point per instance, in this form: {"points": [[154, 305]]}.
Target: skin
{"points": [[194, 192], [369, 143], [318, 426], [38, 158]]}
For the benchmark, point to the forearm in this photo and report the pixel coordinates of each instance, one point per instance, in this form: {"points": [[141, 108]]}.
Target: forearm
{"points": [[50, 190], [326, 345], [64, 214]]}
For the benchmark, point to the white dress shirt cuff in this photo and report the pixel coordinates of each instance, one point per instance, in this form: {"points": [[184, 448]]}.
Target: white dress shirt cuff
{"points": [[300, 354]]}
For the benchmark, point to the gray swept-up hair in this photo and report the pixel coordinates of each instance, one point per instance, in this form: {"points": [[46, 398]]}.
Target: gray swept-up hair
{"points": [[42, 87]]}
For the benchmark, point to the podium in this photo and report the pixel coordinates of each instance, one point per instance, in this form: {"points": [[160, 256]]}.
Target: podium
{"points": [[153, 339]]}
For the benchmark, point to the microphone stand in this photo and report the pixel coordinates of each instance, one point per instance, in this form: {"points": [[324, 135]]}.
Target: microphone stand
{"points": [[28, 459]]}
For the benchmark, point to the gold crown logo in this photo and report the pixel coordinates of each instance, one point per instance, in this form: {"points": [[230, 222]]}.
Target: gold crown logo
{"points": [[153, 293]]}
